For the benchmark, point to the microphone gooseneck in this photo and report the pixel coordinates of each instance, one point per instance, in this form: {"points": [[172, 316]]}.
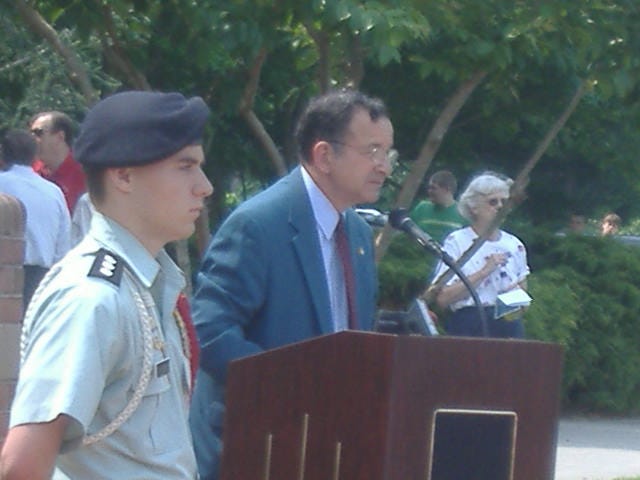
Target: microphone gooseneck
{"points": [[400, 220]]}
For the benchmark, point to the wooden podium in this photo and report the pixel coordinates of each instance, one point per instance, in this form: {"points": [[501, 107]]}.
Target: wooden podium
{"points": [[370, 406]]}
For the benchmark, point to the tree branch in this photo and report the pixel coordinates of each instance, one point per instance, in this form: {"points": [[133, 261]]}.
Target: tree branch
{"points": [[321, 39], [245, 110], [419, 168], [16, 63], [356, 61], [75, 69], [250, 89], [115, 53], [256, 126], [517, 194]]}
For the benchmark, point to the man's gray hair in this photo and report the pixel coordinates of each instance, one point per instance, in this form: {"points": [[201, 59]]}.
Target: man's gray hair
{"points": [[481, 186]]}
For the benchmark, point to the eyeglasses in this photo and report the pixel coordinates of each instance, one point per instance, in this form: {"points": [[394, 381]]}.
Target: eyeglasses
{"points": [[38, 132], [376, 154]]}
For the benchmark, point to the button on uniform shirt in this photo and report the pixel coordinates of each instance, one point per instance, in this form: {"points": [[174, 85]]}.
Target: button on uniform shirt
{"points": [[48, 228]]}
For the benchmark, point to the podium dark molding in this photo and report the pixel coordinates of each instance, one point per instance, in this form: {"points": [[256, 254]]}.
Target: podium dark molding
{"points": [[370, 406]]}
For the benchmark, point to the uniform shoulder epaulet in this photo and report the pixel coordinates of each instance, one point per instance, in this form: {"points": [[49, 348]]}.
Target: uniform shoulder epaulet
{"points": [[108, 266]]}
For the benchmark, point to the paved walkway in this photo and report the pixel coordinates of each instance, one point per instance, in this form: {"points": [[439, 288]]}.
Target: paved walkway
{"points": [[592, 448]]}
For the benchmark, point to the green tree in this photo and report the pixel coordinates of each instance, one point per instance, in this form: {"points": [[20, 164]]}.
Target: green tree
{"points": [[516, 45], [470, 84]]}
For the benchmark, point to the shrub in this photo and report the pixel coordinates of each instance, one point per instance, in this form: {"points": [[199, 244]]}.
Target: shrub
{"points": [[404, 272], [586, 293], [590, 285]]}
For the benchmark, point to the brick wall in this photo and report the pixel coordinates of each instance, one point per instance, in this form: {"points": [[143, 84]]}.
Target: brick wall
{"points": [[11, 280]]}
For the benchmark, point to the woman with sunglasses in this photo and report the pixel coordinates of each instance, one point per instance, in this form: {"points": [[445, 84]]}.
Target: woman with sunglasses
{"points": [[498, 266]]}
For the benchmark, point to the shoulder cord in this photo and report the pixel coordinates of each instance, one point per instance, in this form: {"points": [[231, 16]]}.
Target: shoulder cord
{"points": [[184, 336], [36, 294], [146, 321]]}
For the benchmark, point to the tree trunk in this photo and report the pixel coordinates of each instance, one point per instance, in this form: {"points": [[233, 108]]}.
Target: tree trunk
{"points": [[356, 62], [517, 194], [75, 69], [321, 40], [78, 75], [114, 53], [255, 125], [427, 153], [245, 110]]}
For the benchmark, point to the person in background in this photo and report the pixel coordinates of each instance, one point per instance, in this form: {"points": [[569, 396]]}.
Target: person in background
{"points": [[439, 216], [610, 224], [48, 226], [577, 223], [274, 273], [53, 132], [104, 382], [498, 266]]}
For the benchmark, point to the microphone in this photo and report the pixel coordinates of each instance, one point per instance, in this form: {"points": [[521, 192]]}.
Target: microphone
{"points": [[399, 220], [372, 216]]}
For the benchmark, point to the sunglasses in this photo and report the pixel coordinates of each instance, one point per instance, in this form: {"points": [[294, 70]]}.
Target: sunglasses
{"points": [[494, 202], [38, 132]]}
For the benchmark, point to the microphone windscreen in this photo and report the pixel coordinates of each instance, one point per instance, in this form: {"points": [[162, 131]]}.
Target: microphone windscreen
{"points": [[396, 217]]}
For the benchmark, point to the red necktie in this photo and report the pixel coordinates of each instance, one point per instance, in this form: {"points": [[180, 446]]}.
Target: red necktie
{"points": [[342, 245], [182, 307]]}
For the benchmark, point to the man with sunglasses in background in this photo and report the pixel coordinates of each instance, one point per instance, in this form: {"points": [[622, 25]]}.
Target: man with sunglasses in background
{"points": [[274, 272], [47, 224], [53, 132]]}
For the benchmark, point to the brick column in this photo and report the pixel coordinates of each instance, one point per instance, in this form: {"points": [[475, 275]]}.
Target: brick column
{"points": [[12, 224]]}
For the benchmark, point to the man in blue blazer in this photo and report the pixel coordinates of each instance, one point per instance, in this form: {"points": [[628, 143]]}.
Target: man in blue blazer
{"points": [[272, 274]]}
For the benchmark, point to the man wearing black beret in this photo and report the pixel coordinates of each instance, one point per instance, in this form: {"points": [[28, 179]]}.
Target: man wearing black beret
{"points": [[104, 380]]}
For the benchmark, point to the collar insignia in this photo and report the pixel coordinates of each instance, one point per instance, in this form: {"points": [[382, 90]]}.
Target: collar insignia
{"points": [[108, 266]]}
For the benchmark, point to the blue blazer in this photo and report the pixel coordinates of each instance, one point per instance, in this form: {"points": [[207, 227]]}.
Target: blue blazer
{"points": [[262, 285]]}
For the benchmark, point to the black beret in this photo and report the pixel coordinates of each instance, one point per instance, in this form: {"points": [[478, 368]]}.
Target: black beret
{"points": [[136, 128]]}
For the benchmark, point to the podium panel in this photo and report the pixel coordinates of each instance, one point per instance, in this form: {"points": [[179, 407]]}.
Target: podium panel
{"points": [[472, 444], [357, 405]]}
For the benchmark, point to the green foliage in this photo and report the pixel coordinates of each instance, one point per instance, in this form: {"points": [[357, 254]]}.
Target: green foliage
{"points": [[403, 273], [587, 297], [33, 77], [415, 54], [555, 313], [631, 228]]}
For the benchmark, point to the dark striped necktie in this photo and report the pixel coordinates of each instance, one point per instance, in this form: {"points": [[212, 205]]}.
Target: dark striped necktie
{"points": [[342, 245]]}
